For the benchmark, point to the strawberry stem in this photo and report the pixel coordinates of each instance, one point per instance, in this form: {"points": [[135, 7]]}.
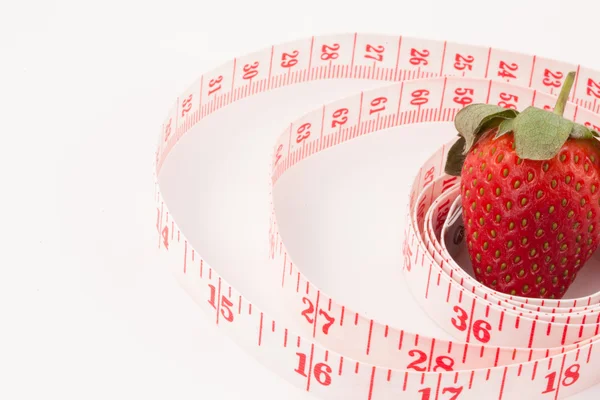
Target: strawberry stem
{"points": [[564, 94]]}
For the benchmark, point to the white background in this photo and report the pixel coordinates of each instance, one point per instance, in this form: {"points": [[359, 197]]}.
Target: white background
{"points": [[86, 311]]}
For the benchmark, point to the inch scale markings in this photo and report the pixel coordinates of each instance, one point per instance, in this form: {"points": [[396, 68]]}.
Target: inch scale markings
{"points": [[506, 372]]}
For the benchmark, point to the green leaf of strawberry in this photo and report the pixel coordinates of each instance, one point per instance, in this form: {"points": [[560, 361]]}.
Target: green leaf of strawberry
{"points": [[505, 127], [539, 134], [456, 157], [582, 132], [475, 118]]}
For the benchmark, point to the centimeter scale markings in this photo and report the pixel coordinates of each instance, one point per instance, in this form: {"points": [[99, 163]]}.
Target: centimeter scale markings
{"points": [[329, 60], [337, 350]]}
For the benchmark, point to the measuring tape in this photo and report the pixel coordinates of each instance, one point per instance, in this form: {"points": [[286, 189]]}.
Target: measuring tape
{"points": [[504, 346]]}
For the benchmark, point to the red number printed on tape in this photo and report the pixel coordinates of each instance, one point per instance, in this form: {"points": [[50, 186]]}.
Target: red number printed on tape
{"points": [[419, 97], [462, 63], [508, 100], [250, 70], [339, 117], [442, 362], [593, 88], [441, 217], [571, 376], [321, 371], [460, 60], [330, 52], [552, 79], [186, 106], [481, 328], [288, 60], [506, 70], [167, 133], [309, 315], [225, 304], [374, 52], [463, 96], [303, 132], [278, 154], [419, 57], [165, 236], [377, 105], [214, 85]]}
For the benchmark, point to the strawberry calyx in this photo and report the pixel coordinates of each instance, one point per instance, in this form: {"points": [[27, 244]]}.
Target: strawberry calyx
{"points": [[538, 134]]}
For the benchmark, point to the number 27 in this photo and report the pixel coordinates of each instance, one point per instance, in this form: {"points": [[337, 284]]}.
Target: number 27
{"points": [[309, 312]]}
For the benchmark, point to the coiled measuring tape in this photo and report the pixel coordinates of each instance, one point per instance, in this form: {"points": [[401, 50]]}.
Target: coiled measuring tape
{"points": [[504, 346]]}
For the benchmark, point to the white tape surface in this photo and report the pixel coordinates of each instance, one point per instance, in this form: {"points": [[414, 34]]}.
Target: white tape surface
{"points": [[504, 347]]}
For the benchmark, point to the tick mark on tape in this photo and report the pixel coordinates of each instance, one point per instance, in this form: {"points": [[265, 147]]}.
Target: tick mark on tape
{"points": [[428, 280], [502, 384], [372, 382], [185, 258], [564, 335], [370, 334], [471, 379], [310, 366], [431, 354], [532, 334], [560, 375], [284, 267], [260, 331]]}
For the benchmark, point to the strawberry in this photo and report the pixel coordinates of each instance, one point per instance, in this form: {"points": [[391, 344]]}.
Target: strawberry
{"points": [[530, 195]]}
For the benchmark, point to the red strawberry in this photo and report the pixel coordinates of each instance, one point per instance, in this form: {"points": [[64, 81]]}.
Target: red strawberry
{"points": [[530, 192]]}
